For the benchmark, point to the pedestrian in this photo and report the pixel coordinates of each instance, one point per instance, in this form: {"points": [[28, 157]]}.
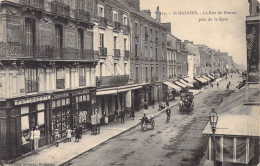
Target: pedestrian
{"points": [[217, 84], [31, 138], [122, 116], [227, 87], [56, 137], [229, 83], [36, 137], [68, 131], [212, 85], [132, 113], [116, 115], [106, 119], [77, 134], [167, 102]]}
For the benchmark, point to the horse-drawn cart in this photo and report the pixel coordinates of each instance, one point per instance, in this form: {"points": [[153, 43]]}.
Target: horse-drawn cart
{"points": [[186, 103]]}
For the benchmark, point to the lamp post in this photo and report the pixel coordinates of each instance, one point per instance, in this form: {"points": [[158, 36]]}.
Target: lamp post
{"points": [[213, 119]]}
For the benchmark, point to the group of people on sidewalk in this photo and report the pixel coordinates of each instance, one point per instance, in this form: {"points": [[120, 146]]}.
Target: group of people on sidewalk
{"points": [[34, 136], [119, 114]]}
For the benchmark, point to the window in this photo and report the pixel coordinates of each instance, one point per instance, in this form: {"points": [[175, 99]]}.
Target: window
{"points": [[30, 31], [136, 50], [151, 72], [125, 20], [145, 30], [145, 52], [125, 64], [58, 36], [115, 42], [146, 74], [60, 80], [136, 74], [80, 39], [115, 16], [115, 68], [151, 51], [151, 32], [101, 69], [101, 11], [156, 33], [31, 76], [82, 76], [156, 54], [136, 27], [125, 42], [101, 40]]}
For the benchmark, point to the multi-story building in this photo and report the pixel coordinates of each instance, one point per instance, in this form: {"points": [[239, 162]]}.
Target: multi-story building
{"points": [[184, 60], [112, 45], [47, 70], [205, 60], [194, 56], [148, 53]]}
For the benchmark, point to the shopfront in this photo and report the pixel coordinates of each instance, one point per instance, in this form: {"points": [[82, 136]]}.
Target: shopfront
{"points": [[17, 118]]}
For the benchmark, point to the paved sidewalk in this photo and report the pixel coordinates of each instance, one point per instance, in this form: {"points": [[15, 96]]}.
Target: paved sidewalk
{"points": [[66, 151]]}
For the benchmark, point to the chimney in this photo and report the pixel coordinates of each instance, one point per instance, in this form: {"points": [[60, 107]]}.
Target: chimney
{"points": [[134, 3], [147, 12], [158, 15]]}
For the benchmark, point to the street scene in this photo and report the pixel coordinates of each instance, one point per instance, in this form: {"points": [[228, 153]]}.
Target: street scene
{"points": [[129, 82]]}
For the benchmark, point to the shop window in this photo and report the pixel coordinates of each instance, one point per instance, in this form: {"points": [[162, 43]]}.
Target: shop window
{"points": [[82, 76], [60, 81], [31, 76]]}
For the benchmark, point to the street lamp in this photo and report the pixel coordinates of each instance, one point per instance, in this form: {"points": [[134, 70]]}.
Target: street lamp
{"points": [[213, 119]]}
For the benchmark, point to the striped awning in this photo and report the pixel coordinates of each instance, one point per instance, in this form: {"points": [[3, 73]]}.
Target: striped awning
{"points": [[180, 84], [210, 76], [207, 78], [171, 85], [201, 79], [188, 84]]}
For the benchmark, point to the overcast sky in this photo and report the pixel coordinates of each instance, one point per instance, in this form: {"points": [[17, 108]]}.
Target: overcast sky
{"points": [[228, 36]]}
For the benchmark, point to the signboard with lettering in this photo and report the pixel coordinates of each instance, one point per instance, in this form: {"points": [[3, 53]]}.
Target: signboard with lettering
{"points": [[32, 99]]}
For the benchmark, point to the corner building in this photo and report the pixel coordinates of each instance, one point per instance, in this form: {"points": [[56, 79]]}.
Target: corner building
{"points": [[47, 70]]}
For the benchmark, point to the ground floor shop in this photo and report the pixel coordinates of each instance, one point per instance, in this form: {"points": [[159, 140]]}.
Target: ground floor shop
{"points": [[60, 110]]}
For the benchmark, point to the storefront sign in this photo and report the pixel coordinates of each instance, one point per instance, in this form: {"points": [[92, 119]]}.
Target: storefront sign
{"points": [[80, 92], [32, 100], [62, 95]]}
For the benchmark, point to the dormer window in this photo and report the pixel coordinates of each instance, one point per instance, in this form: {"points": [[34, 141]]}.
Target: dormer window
{"points": [[115, 16], [100, 10]]}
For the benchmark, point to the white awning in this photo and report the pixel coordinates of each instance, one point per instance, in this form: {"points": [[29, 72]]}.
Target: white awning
{"points": [[202, 80], [210, 76], [177, 88], [189, 79], [128, 89], [207, 78], [188, 84], [106, 92], [180, 84]]}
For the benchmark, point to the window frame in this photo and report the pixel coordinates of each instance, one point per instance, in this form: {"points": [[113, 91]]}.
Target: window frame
{"points": [[61, 80], [31, 79]]}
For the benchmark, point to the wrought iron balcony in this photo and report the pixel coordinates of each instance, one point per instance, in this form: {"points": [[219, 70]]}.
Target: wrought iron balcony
{"points": [[102, 22], [38, 4], [117, 52], [102, 51], [43, 52], [117, 26], [118, 80], [82, 15], [126, 54], [60, 8], [126, 29]]}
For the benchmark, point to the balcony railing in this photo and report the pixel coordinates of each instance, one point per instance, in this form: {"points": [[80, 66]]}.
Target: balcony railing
{"points": [[82, 15], [126, 29], [60, 9], [118, 80], [102, 51], [102, 22], [43, 52], [117, 26], [117, 52], [126, 54], [39, 4]]}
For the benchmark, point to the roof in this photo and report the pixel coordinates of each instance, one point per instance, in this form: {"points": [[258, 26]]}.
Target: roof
{"points": [[114, 3], [237, 118], [140, 13]]}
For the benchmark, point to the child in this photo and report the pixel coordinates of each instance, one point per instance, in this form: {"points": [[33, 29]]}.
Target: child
{"points": [[56, 137], [68, 131]]}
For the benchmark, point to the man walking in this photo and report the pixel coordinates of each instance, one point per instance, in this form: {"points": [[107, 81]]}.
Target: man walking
{"points": [[36, 137]]}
